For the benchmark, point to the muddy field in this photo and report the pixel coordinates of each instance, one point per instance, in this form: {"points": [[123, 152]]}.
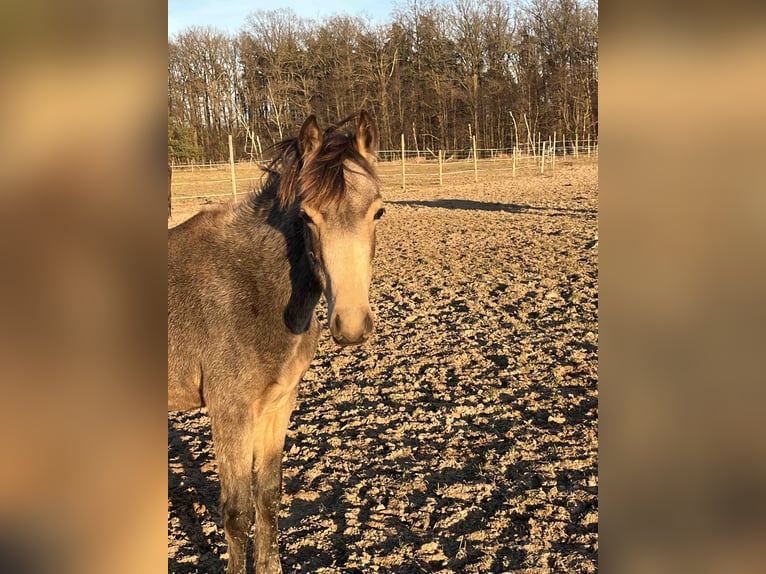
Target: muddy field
{"points": [[463, 437]]}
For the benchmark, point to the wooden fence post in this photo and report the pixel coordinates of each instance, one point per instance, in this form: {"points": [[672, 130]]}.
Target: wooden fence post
{"points": [[515, 149], [542, 159], [231, 163], [404, 185], [441, 159], [475, 164], [553, 159]]}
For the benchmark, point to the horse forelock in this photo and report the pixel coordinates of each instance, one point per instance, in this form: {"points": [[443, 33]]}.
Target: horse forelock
{"points": [[320, 179]]}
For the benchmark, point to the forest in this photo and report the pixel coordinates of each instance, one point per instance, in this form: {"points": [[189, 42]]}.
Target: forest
{"points": [[438, 73]]}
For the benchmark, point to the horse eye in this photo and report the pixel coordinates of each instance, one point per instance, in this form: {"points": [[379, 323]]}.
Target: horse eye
{"points": [[380, 213], [306, 217]]}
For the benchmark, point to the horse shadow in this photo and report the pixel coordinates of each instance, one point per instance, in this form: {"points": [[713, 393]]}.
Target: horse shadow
{"points": [[470, 205]]}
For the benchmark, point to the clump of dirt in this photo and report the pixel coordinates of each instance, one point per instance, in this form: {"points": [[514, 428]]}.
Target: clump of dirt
{"points": [[463, 437]]}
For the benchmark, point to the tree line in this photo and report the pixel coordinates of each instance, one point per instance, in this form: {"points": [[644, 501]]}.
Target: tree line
{"points": [[437, 73]]}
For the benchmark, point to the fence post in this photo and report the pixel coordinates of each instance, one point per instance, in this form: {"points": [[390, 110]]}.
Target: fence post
{"points": [[515, 149], [404, 185], [475, 164], [577, 144], [553, 159], [542, 159], [231, 163], [441, 159]]}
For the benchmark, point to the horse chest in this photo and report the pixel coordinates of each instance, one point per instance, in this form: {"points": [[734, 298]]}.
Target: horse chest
{"points": [[283, 384]]}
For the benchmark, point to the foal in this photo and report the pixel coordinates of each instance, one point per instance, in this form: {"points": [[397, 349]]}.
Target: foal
{"points": [[243, 284]]}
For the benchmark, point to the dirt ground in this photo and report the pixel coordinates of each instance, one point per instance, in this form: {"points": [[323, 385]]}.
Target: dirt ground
{"points": [[463, 437]]}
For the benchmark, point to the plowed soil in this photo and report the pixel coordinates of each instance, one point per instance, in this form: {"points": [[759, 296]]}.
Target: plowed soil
{"points": [[463, 437]]}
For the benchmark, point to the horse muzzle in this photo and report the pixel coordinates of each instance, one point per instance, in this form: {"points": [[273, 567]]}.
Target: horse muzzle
{"points": [[351, 328]]}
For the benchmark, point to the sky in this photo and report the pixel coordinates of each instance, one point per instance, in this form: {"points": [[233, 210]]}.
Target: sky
{"points": [[229, 15]]}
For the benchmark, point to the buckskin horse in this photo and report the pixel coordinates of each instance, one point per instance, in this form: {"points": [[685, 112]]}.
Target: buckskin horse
{"points": [[244, 280]]}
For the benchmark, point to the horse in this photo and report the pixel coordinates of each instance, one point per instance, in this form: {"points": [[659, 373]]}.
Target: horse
{"points": [[244, 280]]}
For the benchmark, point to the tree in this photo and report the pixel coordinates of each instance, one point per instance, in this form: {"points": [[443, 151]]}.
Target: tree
{"points": [[435, 72], [182, 143]]}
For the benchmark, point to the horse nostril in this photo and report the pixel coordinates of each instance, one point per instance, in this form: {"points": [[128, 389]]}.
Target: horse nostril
{"points": [[352, 333], [336, 324]]}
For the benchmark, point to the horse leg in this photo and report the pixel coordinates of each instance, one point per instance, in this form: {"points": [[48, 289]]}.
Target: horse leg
{"points": [[271, 428], [233, 441]]}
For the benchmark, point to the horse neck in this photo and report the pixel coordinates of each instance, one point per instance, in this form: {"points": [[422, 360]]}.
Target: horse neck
{"points": [[276, 247]]}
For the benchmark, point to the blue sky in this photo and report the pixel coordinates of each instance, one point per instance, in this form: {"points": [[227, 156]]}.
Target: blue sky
{"points": [[229, 15]]}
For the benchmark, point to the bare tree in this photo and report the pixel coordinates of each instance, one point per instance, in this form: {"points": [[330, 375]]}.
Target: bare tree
{"points": [[273, 56], [435, 72]]}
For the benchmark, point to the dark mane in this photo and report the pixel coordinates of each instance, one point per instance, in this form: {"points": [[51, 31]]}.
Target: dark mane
{"points": [[322, 181]]}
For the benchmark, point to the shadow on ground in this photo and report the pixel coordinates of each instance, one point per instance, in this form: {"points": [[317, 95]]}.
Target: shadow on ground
{"points": [[471, 205]]}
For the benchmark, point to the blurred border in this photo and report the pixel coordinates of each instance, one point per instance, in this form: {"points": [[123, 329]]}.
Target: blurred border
{"points": [[682, 220], [82, 175]]}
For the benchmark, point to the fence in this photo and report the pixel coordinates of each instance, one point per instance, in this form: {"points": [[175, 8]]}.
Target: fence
{"points": [[426, 167]]}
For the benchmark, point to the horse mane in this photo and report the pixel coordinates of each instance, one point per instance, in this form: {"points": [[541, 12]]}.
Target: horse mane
{"points": [[321, 182]]}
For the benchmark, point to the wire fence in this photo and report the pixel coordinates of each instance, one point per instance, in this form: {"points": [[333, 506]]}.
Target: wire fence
{"points": [[396, 167]]}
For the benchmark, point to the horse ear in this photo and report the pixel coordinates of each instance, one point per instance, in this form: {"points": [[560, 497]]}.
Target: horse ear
{"points": [[367, 136], [310, 137]]}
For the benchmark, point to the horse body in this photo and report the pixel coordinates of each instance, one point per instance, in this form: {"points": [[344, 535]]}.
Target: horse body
{"points": [[243, 284], [231, 279]]}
